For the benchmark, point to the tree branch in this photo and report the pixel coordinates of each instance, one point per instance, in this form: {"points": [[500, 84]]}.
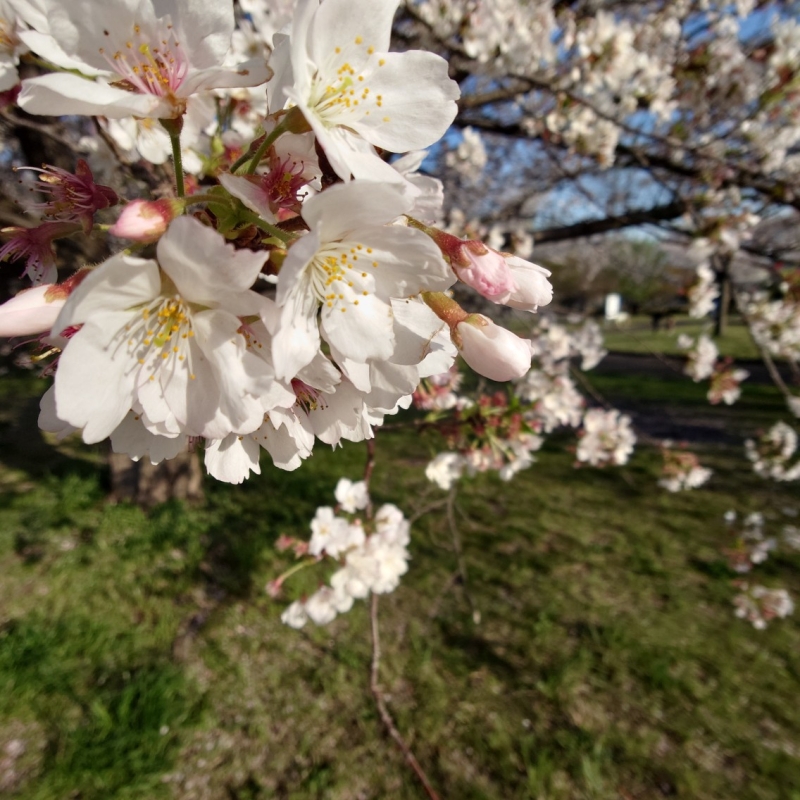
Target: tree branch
{"points": [[643, 216], [380, 702]]}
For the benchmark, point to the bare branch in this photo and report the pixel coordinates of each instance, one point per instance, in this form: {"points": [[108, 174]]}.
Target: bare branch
{"points": [[380, 702]]}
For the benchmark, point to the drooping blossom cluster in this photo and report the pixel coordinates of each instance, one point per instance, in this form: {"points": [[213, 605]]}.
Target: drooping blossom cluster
{"points": [[549, 386], [775, 323], [750, 546], [703, 362], [759, 605], [703, 293], [772, 453], [726, 383], [701, 356], [607, 438], [370, 552], [495, 432], [491, 433], [681, 469]]}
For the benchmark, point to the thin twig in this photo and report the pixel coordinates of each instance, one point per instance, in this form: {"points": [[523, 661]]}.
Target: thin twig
{"points": [[45, 130], [457, 549], [386, 717], [426, 509], [584, 381], [451, 582], [368, 468], [766, 356]]}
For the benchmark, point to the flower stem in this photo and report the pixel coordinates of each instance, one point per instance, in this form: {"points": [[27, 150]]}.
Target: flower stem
{"points": [[173, 128], [292, 121], [263, 147], [240, 161], [272, 230], [207, 197], [296, 568]]}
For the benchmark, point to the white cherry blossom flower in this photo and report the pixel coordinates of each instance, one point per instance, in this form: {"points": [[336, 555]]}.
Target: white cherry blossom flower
{"points": [[163, 336], [151, 57], [348, 268], [295, 615], [353, 92], [445, 469], [608, 438], [351, 496], [333, 535]]}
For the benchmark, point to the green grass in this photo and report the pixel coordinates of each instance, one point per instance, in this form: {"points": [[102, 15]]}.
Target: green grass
{"points": [[636, 336], [140, 656]]}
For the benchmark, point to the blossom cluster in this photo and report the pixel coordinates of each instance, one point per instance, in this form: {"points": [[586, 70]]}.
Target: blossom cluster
{"points": [[549, 385], [642, 69], [501, 433], [607, 438], [750, 545], [371, 555], [681, 469], [772, 453], [291, 290], [775, 323], [758, 604], [703, 362]]}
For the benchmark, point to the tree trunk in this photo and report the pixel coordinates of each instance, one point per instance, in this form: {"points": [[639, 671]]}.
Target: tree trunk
{"points": [[148, 485], [723, 272]]}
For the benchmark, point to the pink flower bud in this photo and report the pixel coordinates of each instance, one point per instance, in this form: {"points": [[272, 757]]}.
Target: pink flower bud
{"points": [[492, 351], [145, 220], [490, 273], [485, 270], [32, 311], [532, 287]]}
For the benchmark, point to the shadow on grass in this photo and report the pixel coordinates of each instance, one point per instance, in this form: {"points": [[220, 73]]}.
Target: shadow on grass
{"points": [[109, 714]]}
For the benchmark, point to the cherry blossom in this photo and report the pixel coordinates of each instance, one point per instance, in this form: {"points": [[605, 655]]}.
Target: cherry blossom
{"points": [[350, 266], [152, 62], [162, 337], [353, 92], [607, 438]]}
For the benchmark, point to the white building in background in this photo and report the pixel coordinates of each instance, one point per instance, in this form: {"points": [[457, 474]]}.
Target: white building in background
{"points": [[613, 306]]}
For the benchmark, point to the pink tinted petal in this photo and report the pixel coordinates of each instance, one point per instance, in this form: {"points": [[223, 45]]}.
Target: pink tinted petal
{"points": [[30, 312]]}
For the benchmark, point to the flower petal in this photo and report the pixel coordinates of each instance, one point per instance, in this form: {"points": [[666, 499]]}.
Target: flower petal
{"points": [[417, 101], [336, 212], [119, 283], [359, 332], [233, 458], [95, 381], [348, 31], [202, 265], [61, 93]]}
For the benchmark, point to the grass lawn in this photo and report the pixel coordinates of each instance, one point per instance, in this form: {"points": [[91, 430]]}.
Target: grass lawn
{"points": [[636, 336], [140, 656]]}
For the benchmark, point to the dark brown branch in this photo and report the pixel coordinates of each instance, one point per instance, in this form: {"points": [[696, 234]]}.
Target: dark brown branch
{"points": [[643, 216], [380, 702]]}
